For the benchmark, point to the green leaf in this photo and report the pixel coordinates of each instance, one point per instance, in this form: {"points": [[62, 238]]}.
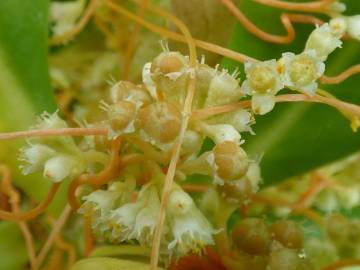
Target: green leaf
{"points": [[25, 89], [296, 138], [109, 264], [13, 255]]}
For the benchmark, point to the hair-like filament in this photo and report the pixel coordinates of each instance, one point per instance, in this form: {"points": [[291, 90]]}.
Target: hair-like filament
{"points": [[342, 76], [285, 18], [30, 214], [178, 37], [342, 106], [133, 40], [54, 132], [59, 224], [14, 198], [314, 6]]}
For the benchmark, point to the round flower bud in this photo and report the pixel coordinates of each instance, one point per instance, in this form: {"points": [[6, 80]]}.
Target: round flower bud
{"points": [[354, 26], [161, 121], [231, 160], [179, 202], [288, 233], [125, 90], [121, 114], [323, 40], [251, 236], [59, 167], [169, 62]]}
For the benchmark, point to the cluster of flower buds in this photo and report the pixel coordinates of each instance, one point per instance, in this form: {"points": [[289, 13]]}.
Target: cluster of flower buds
{"points": [[271, 247], [57, 157], [298, 72], [120, 213]]}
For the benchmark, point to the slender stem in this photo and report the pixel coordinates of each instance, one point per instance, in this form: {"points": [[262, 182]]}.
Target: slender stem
{"points": [[342, 76], [30, 214], [315, 6], [338, 104], [178, 37], [54, 132], [54, 233]]}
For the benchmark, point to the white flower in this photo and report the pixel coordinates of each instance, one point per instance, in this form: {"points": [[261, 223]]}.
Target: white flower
{"points": [[354, 26], [301, 71], [262, 83], [60, 167], [190, 230], [64, 15], [221, 133], [48, 121], [325, 39], [137, 220], [35, 155], [223, 89]]}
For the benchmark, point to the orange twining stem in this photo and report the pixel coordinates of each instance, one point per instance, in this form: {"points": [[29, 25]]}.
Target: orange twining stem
{"points": [[178, 37], [14, 198], [317, 184], [68, 247], [89, 240], [342, 264], [342, 76], [57, 40], [54, 132], [285, 18], [30, 214], [252, 28], [314, 6], [109, 172]]}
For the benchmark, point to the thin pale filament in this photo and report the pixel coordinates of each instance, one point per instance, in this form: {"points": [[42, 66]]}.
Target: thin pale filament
{"points": [[60, 222], [338, 104], [178, 37], [252, 28], [169, 179], [14, 198], [30, 214], [342, 76], [54, 132], [56, 40], [68, 247], [89, 240], [133, 40], [314, 6]]}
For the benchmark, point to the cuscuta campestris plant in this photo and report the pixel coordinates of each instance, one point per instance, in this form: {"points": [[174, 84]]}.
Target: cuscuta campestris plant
{"points": [[156, 130]]}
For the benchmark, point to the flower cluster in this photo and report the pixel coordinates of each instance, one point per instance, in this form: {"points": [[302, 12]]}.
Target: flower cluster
{"points": [[57, 157]]}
